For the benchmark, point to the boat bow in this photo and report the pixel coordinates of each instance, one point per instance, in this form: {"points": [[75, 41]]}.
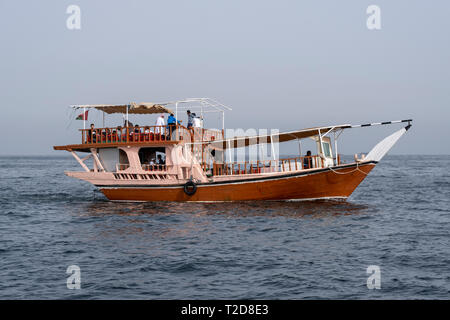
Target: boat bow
{"points": [[380, 150]]}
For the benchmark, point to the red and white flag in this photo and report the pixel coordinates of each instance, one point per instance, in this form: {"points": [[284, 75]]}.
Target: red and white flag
{"points": [[82, 116]]}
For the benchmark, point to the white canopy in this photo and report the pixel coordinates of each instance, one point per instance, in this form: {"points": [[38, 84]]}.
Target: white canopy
{"points": [[133, 108]]}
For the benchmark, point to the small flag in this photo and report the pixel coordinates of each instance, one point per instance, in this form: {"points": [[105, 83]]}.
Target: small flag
{"points": [[82, 116]]}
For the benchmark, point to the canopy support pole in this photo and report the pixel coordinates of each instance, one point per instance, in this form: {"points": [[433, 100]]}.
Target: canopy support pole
{"points": [[320, 140], [176, 113], [335, 149], [84, 118], [261, 152], [223, 123], [272, 146]]}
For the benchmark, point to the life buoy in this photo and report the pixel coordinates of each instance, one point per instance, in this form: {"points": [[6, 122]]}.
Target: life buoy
{"points": [[190, 188]]}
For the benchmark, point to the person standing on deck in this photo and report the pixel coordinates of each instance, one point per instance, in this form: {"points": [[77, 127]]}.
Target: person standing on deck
{"points": [[190, 119], [171, 125], [160, 123], [196, 123], [119, 133]]}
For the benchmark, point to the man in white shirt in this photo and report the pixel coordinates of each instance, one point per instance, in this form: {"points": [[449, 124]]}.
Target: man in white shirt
{"points": [[160, 123], [196, 123]]}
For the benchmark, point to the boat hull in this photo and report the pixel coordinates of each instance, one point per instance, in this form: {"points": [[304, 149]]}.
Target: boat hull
{"points": [[328, 183]]}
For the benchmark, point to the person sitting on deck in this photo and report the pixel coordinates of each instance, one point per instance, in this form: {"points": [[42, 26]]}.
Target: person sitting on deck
{"points": [[91, 134], [160, 123], [146, 133], [136, 133], [160, 161], [106, 135], [307, 161]]}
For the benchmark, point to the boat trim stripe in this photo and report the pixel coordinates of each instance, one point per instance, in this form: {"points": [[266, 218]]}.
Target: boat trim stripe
{"points": [[239, 181]]}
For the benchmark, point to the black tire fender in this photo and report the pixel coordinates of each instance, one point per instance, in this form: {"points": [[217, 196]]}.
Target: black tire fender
{"points": [[190, 188]]}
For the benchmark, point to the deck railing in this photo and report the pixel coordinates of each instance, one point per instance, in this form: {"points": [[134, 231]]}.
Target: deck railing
{"points": [[266, 166], [154, 167], [133, 134], [113, 135], [145, 167]]}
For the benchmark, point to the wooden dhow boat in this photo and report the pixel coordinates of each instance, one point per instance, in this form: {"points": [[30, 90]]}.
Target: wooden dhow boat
{"points": [[198, 164]]}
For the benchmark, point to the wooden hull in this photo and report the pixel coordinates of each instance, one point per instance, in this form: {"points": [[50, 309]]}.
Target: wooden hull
{"points": [[338, 183]]}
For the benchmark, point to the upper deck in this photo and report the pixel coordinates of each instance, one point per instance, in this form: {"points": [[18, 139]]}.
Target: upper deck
{"points": [[150, 135], [141, 136]]}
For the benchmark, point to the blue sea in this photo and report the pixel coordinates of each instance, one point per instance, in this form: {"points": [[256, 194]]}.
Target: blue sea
{"points": [[398, 219]]}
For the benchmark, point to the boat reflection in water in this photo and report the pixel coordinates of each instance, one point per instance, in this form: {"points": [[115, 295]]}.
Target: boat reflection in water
{"points": [[236, 209], [167, 231]]}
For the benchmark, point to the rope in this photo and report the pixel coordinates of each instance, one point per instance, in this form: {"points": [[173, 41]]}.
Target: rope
{"points": [[356, 169]]}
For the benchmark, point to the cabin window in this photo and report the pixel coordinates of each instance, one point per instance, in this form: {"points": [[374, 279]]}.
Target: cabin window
{"points": [[150, 156], [326, 149]]}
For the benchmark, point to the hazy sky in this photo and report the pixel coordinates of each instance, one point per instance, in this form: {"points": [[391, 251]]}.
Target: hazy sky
{"points": [[278, 64]]}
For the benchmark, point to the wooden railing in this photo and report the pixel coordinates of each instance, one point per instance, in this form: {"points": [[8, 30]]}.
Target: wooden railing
{"points": [[154, 167], [266, 166], [145, 167], [144, 134], [133, 134]]}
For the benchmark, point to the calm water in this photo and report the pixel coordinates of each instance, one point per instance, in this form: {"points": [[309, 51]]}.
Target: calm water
{"points": [[398, 219]]}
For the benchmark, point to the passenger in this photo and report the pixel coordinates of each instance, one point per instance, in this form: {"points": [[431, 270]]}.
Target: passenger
{"points": [[196, 121], [136, 133], [160, 123], [171, 125], [171, 120], [91, 134], [119, 133], [128, 129], [307, 161], [107, 135], [190, 119], [161, 162]]}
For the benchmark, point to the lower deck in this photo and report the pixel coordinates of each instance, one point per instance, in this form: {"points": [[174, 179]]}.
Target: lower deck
{"points": [[337, 183]]}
